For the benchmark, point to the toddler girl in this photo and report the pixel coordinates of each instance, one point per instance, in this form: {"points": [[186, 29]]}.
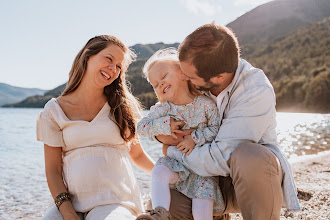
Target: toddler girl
{"points": [[181, 107]]}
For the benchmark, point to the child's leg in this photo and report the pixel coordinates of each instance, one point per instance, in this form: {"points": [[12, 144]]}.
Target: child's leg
{"points": [[160, 191], [202, 209]]}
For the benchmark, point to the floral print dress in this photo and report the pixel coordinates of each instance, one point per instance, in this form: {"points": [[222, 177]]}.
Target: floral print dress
{"points": [[201, 114]]}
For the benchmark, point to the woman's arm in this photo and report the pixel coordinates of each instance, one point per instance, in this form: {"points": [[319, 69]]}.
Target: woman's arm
{"points": [[53, 166], [140, 158]]}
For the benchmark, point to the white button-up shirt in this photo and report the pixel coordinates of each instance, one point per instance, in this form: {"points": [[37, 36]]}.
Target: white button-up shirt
{"points": [[247, 114]]}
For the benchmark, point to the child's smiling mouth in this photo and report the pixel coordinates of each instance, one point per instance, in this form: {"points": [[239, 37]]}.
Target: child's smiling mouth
{"points": [[166, 88]]}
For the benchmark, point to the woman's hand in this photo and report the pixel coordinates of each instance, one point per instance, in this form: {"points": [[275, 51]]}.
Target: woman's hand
{"points": [[187, 145], [68, 212]]}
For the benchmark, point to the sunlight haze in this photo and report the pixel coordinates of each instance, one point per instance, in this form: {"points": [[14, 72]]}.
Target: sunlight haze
{"points": [[39, 39]]}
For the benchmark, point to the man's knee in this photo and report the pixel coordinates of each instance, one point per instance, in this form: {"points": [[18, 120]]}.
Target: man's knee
{"points": [[250, 157], [257, 178], [180, 207]]}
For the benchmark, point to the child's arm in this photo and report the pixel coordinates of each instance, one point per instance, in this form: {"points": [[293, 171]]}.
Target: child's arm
{"points": [[208, 133], [158, 122]]}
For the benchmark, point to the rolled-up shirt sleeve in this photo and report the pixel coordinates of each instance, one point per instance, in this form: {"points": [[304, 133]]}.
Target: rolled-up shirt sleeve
{"points": [[246, 119]]}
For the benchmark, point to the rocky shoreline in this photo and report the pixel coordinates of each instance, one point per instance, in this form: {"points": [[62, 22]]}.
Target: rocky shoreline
{"points": [[311, 173]]}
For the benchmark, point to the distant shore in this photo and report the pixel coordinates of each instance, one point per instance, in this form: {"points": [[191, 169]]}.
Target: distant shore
{"points": [[312, 176]]}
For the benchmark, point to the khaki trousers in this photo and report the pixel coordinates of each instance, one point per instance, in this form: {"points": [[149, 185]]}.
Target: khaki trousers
{"points": [[253, 188]]}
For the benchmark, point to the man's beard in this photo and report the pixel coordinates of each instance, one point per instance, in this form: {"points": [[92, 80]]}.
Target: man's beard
{"points": [[207, 87]]}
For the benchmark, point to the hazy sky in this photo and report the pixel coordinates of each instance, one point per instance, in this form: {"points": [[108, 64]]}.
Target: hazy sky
{"points": [[40, 38]]}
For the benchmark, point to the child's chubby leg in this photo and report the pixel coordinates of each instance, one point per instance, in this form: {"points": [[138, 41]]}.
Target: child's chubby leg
{"points": [[162, 177], [202, 209]]}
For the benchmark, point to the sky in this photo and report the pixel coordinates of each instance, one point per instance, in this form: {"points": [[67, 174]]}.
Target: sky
{"points": [[40, 38]]}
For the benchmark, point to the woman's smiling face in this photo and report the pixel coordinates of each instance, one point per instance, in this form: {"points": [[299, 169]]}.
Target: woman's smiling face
{"points": [[104, 67]]}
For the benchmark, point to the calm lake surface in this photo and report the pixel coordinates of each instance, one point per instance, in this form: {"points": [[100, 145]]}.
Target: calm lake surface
{"points": [[23, 188]]}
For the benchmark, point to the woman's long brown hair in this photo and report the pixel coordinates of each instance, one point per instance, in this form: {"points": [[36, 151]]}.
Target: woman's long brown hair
{"points": [[124, 107]]}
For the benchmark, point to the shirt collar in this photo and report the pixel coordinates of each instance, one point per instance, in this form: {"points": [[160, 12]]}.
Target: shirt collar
{"points": [[237, 73]]}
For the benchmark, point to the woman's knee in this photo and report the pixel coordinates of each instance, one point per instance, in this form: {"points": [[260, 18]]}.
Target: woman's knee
{"points": [[111, 212], [52, 213]]}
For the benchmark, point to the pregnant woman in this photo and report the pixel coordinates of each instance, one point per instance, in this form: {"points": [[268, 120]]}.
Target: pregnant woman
{"points": [[89, 136]]}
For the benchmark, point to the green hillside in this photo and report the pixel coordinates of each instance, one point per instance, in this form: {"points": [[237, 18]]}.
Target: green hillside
{"points": [[275, 19], [144, 51], [38, 101], [287, 39], [12, 94], [298, 67]]}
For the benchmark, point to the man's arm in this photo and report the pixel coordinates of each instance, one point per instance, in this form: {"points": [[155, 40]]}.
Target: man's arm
{"points": [[170, 140], [246, 120]]}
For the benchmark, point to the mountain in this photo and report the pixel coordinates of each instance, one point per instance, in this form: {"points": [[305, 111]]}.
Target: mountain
{"points": [[298, 67], [288, 39], [144, 51], [38, 101], [12, 94], [276, 19], [139, 85]]}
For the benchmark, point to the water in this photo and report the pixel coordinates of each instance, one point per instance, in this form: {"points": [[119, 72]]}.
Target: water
{"points": [[23, 188]]}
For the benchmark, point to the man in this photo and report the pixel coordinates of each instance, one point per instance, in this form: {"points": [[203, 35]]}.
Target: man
{"points": [[255, 178]]}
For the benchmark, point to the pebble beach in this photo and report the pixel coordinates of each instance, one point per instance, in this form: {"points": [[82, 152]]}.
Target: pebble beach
{"points": [[24, 194]]}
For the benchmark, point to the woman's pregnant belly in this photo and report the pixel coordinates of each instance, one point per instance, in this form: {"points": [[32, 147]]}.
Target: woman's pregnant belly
{"points": [[100, 174]]}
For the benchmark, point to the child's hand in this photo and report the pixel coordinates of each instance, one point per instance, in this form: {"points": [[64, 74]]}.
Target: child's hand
{"points": [[175, 127], [187, 145]]}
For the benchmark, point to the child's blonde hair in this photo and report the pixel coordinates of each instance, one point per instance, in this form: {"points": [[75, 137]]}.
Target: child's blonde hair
{"points": [[168, 54]]}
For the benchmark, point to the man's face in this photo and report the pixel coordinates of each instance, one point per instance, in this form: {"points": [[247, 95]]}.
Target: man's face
{"points": [[190, 72]]}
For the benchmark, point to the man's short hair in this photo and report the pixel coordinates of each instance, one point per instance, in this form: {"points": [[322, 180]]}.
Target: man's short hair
{"points": [[212, 49]]}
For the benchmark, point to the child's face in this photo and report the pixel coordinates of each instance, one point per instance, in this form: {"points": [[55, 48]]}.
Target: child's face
{"points": [[167, 81]]}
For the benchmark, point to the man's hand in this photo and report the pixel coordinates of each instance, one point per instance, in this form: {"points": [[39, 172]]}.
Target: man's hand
{"points": [[187, 145], [175, 127], [170, 140], [165, 147]]}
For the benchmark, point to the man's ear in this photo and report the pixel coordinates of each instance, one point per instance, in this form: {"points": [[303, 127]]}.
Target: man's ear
{"points": [[182, 76], [218, 79]]}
